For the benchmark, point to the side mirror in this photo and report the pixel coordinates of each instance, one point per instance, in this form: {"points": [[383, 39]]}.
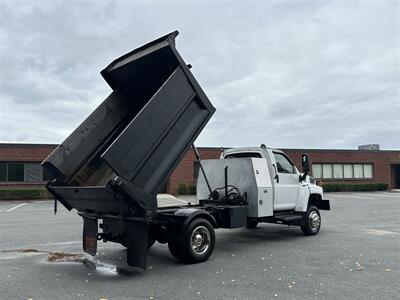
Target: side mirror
{"points": [[305, 161]]}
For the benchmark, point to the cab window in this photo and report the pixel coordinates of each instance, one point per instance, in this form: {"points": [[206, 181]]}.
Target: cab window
{"points": [[283, 165], [243, 155]]}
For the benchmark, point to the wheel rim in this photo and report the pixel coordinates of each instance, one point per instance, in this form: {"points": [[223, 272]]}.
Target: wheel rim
{"points": [[315, 220], [200, 240]]}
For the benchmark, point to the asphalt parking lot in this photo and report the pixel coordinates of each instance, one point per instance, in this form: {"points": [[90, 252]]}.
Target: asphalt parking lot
{"points": [[355, 256]]}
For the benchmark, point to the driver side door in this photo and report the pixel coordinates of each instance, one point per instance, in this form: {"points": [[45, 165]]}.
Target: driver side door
{"points": [[286, 182]]}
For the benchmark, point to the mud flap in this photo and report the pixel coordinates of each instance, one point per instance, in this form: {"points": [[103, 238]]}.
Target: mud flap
{"points": [[137, 236], [324, 205], [89, 238]]}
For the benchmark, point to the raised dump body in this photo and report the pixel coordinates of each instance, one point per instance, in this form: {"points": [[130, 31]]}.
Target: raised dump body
{"points": [[112, 166]]}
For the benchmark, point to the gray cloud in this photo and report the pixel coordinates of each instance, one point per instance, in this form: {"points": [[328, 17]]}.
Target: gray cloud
{"points": [[300, 75]]}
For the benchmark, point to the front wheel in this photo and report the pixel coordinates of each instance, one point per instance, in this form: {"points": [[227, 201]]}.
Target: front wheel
{"points": [[312, 221], [197, 244]]}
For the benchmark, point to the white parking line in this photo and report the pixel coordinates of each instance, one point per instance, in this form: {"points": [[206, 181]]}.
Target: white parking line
{"points": [[396, 195], [383, 195], [348, 196], [15, 207], [381, 232]]}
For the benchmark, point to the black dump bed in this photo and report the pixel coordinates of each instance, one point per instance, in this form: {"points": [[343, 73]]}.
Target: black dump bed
{"points": [[123, 153]]}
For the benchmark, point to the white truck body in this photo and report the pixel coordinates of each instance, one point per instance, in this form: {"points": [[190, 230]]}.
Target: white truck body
{"points": [[267, 176]]}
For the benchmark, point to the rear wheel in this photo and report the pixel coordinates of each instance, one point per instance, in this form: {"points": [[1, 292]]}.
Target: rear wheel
{"points": [[197, 243], [312, 221]]}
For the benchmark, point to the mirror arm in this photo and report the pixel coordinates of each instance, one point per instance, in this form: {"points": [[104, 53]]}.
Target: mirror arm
{"points": [[303, 177]]}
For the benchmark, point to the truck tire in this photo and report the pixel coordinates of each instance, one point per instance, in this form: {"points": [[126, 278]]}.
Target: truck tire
{"points": [[251, 223], [197, 243], [150, 242], [175, 247], [312, 221]]}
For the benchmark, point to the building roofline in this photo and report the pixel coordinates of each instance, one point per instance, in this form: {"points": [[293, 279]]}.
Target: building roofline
{"points": [[28, 145], [307, 149], [337, 150], [25, 145]]}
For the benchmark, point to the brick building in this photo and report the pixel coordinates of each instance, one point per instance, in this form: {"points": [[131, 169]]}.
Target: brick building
{"points": [[20, 165]]}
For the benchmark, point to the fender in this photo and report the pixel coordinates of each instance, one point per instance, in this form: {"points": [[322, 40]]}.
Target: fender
{"points": [[193, 213], [322, 204]]}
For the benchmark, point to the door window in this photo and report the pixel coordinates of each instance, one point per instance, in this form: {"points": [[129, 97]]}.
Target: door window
{"points": [[283, 164]]}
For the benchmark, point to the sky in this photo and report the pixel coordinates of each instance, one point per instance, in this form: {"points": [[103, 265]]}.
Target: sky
{"points": [[304, 74]]}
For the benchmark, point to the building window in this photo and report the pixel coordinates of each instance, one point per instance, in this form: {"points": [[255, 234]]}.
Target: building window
{"points": [[3, 171], [348, 171], [22, 171], [358, 171], [327, 171], [339, 171], [15, 171], [317, 170]]}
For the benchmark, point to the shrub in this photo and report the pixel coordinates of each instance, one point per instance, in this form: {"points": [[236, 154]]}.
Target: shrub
{"points": [[192, 189], [182, 189], [24, 194], [362, 187]]}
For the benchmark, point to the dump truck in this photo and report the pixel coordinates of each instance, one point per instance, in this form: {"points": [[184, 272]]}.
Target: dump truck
{"points": [[111, 167]]}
